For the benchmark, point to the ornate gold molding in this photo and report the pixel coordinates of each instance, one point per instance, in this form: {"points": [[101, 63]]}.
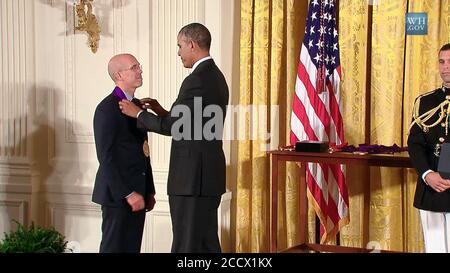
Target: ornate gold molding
{"points": [[88, 22]]}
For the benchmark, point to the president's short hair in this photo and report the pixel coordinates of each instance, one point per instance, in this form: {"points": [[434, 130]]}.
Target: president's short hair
{"points": [[198, 33]]}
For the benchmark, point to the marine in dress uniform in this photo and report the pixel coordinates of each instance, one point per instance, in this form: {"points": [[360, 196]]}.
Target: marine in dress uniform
{"points": [[430, 128]]}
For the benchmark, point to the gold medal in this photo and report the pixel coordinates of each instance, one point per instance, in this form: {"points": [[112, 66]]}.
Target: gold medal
{"points": [[146, 149]]}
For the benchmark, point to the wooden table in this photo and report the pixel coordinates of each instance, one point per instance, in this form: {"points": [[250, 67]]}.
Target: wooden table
{"points": [[399, 160]]}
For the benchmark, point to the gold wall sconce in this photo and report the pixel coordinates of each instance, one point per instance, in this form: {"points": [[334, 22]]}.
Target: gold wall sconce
{"points": [[87, 22]]}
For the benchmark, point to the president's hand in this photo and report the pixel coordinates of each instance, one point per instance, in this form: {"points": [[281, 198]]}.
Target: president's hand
{"points": [[151, 202], [136, 202], [129, 108], [153, 105], [435, 181]]}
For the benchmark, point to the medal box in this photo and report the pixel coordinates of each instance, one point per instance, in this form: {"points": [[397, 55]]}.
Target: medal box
{"points": [[311, 146]]}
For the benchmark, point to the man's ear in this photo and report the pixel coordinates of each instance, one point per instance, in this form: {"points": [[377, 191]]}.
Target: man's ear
{"points": [[193, 45], [117, 76]]}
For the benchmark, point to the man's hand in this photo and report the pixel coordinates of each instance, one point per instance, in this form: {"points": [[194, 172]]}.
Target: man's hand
{"points": [[136, 202], [435, 181], [129, 108], [153, 105], [151, 202]]}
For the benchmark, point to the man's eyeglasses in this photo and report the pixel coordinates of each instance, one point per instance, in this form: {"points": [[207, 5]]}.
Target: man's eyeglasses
{"points": [[134, 68]]}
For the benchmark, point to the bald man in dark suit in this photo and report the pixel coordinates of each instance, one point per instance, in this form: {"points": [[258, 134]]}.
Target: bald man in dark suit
{"points": [[124, 182]]}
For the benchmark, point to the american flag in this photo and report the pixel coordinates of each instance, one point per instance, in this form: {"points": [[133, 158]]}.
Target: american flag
{"points": [[316, 115]]}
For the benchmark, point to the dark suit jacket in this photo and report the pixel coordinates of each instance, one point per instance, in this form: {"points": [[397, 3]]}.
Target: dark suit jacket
{"points": [[421, 147], [123, 166], [197, 164]]}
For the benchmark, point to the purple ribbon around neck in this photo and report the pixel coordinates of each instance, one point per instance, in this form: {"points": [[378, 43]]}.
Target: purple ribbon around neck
{"points": [[118, 93]]}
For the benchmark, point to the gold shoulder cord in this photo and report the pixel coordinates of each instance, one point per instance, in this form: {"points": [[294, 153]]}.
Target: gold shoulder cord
{"points": [[421, 120]]}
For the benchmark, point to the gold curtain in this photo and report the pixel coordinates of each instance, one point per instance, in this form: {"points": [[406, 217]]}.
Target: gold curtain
{"points": [[388, 50], [353, 47], [402, 68], [421, 76], [270, 33]]}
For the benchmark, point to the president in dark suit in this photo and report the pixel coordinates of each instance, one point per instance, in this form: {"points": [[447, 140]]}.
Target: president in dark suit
{"points": [[430, 128], [124, 183], [197, 162]]}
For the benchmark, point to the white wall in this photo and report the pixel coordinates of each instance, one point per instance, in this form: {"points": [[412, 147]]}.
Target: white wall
{"points": [[50, 84]]}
